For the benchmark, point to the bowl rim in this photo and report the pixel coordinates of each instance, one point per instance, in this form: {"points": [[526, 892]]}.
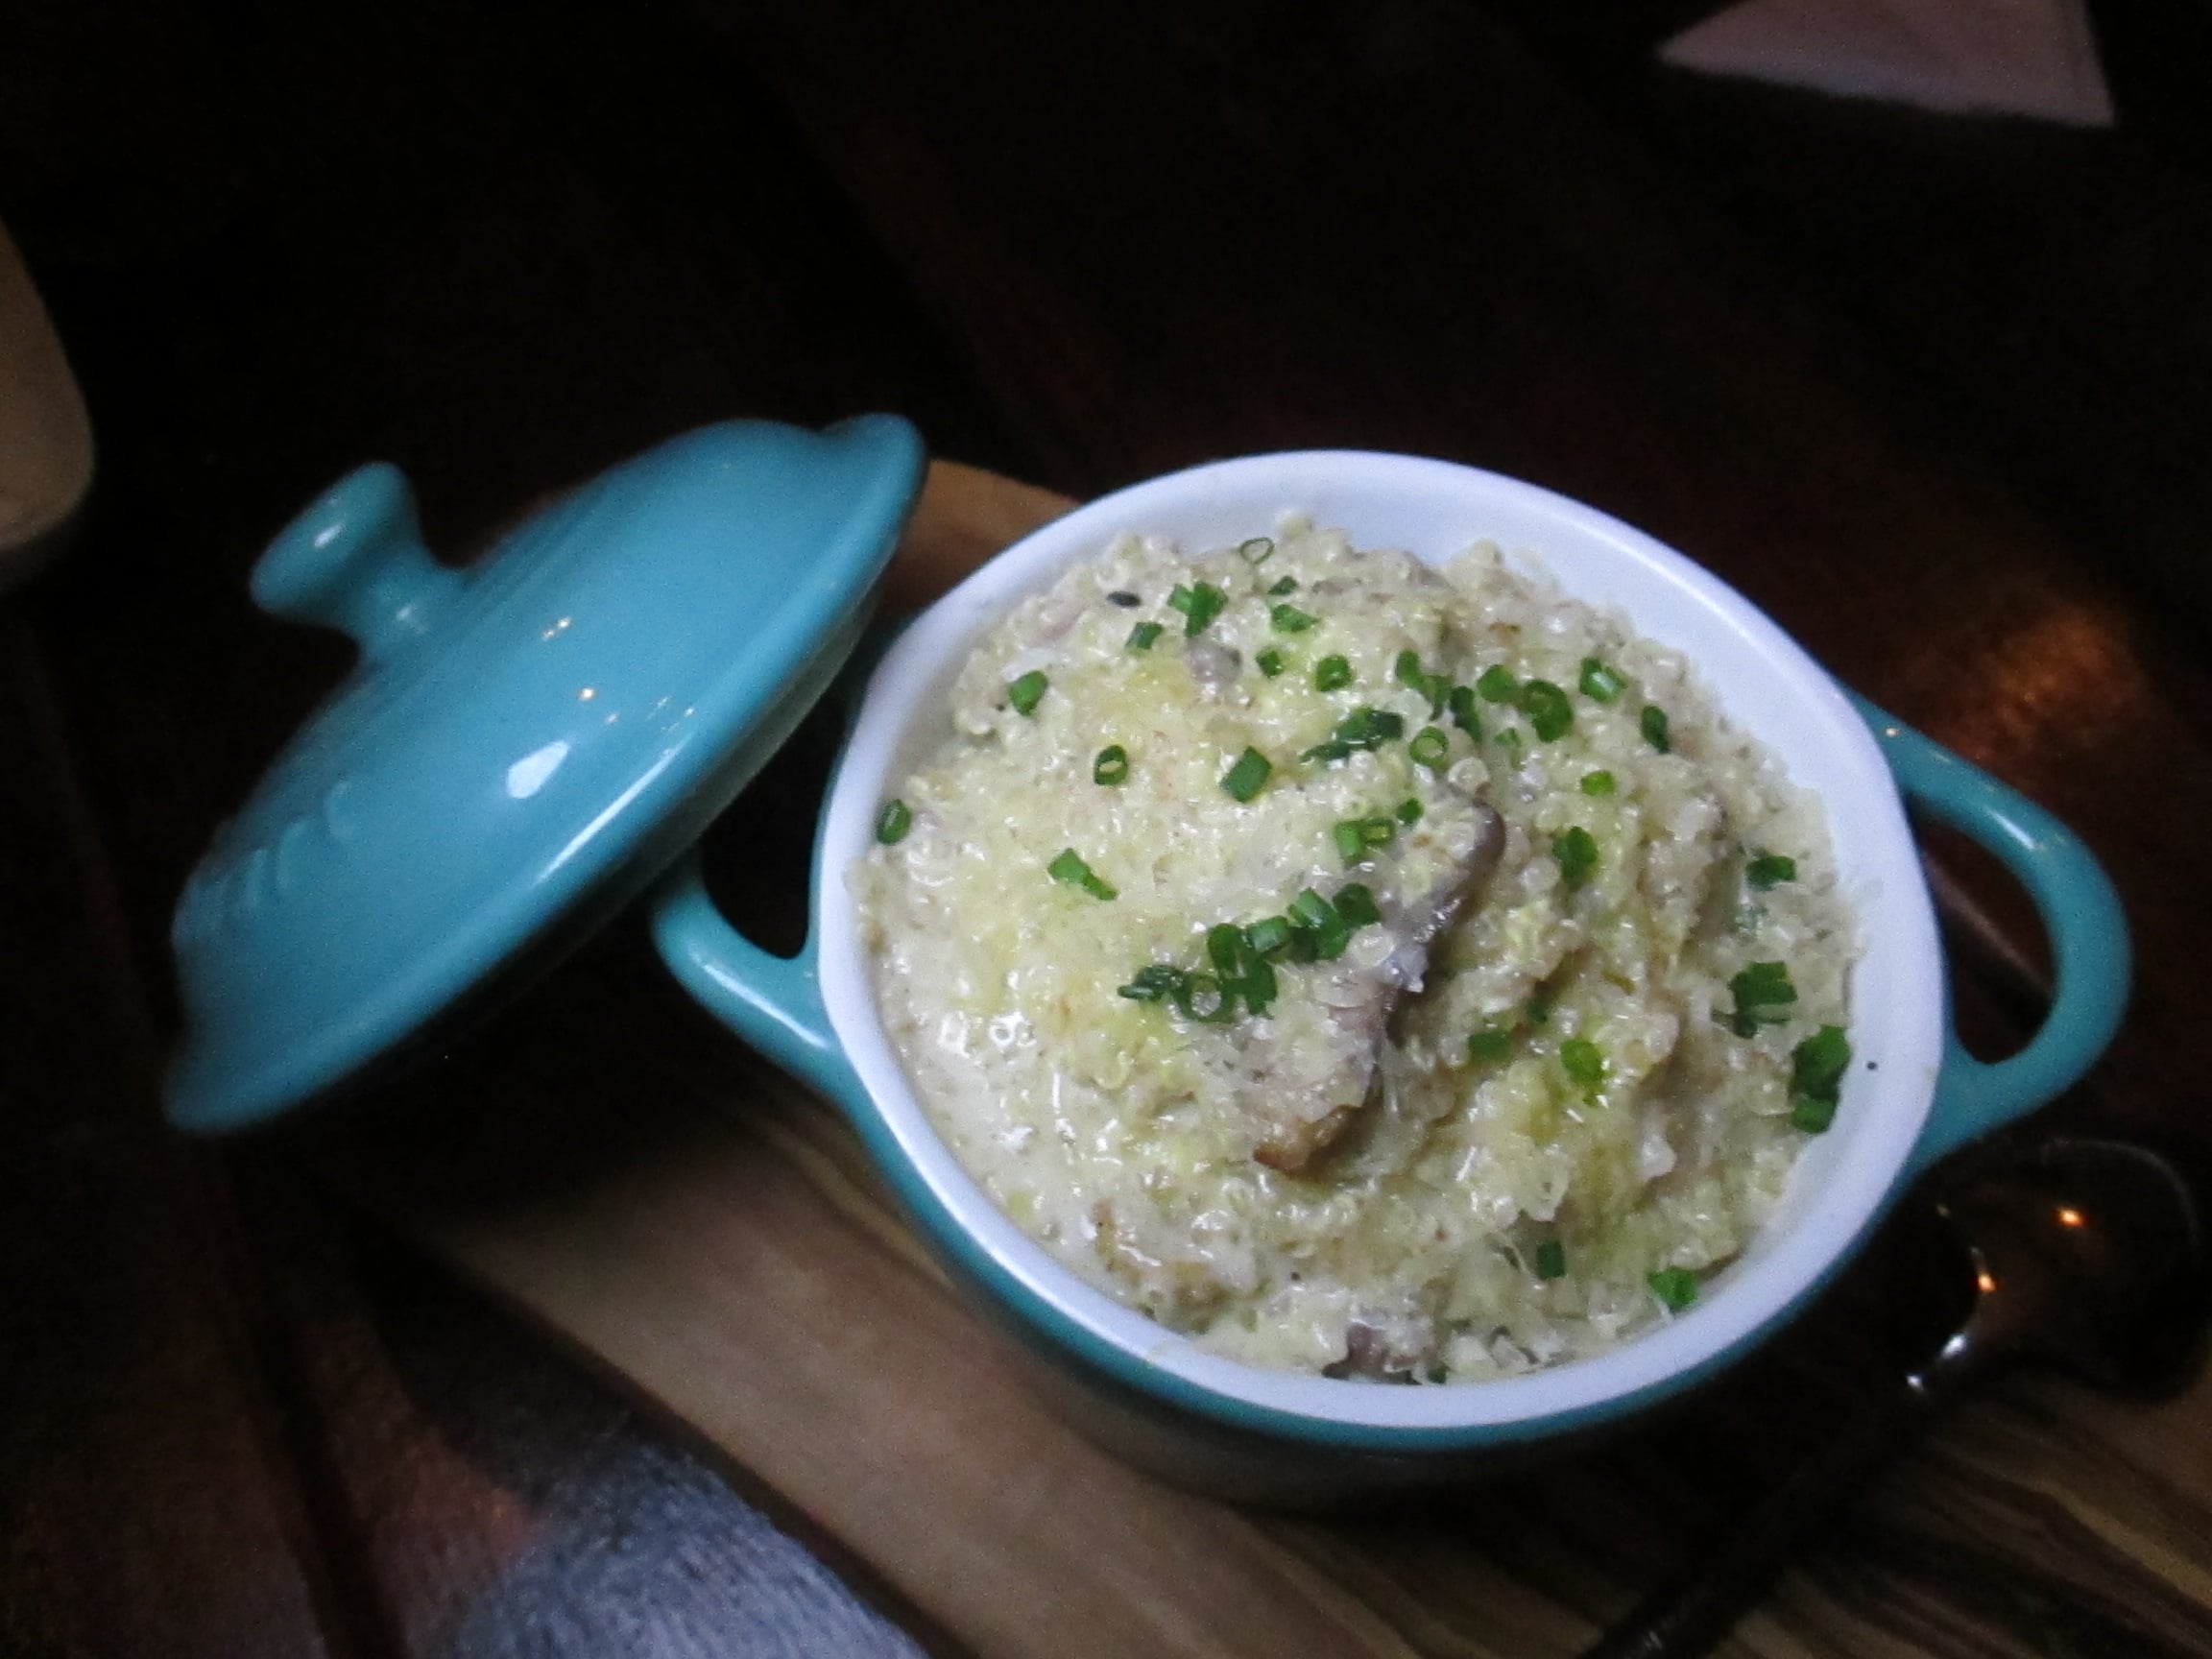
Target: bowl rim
{"points": [[1859, 1168]]}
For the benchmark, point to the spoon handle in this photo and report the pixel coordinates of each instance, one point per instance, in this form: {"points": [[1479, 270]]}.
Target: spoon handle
{"points": [[1690, 1615]]}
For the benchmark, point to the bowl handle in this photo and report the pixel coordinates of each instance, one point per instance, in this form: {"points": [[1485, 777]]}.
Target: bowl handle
{"points": [[2079, 909], [774, 1002]]}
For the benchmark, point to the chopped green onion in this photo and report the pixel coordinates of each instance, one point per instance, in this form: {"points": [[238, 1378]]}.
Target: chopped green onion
{"points": [[1199, 605], [1351, 841], [1141, 637], [1817, 1069], [1509, 740], [1370, 728], [1437, 687], [1463, 704], [1268, 936], [1027, 691], [1211, 999], [1599, 783], [1112, 765], [1378, 831], [1584, 1061], [1601, 681], [1576, 852], [1154, 981], [1770, 867], [1409, 810], [1159, 981], [1329, 942], [1497, 684], [1288, 584], [1430, 748], [1257, 985], [1364, 728], [1761, 992], [1816, 1065], [1549, 712], [1764, 983], [1322, 929], [1491, 1043], [1270, 662], [1812, 1116], [1677, 1287], [1355, 903], [1653, 725], [1246, 778], [1255, 549], [1550, 1260], [1540, 1002], [1331, 674], [896, 820], [1289, 619], [1069, 868]]}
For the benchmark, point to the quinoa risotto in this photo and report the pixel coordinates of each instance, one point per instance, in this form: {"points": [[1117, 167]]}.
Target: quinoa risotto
{"points": [[1359, 967]]}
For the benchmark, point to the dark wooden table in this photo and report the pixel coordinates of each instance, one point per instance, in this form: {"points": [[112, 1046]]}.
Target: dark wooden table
{"points": [[1934, 392]]}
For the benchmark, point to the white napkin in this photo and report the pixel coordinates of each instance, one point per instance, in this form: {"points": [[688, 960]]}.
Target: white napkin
{"points": [[2033, 57]]}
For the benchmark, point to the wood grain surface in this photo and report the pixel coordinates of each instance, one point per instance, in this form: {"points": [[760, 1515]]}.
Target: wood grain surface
{"points": [[591, 1336], [713, 1236], [45, 436]]}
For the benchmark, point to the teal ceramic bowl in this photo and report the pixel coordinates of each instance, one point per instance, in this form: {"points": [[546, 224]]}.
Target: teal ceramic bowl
{"points": [[1210, 1421], [527, 745]]}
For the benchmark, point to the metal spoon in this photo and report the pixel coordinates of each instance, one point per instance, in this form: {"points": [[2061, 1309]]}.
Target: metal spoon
{"points": [[2090, 1255]]}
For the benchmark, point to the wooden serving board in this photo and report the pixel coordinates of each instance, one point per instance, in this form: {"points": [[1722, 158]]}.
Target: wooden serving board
{"points": [[629, 1178], [45, 434]]}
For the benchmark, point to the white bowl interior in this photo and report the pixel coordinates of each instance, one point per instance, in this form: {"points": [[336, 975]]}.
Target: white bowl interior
{"points": [[1761, 679]]}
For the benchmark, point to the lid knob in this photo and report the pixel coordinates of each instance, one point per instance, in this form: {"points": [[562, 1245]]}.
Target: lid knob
{"points": [[355, 561]]}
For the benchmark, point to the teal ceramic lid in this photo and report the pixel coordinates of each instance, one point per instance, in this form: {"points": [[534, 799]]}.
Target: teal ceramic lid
{"points": [[523, 745]]}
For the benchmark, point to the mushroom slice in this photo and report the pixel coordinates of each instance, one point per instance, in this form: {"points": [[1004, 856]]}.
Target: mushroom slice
{"points": [[1313, 1074]]}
